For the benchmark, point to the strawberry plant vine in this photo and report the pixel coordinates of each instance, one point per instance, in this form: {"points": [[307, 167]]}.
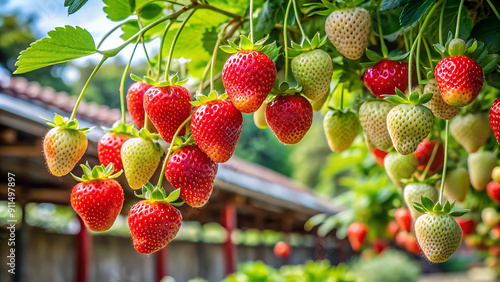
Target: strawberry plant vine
{"points": [[401, 94]]}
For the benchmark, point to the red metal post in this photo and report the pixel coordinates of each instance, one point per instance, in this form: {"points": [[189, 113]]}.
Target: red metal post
{"points": [[229, 223], [162, 263], [83, 253]]}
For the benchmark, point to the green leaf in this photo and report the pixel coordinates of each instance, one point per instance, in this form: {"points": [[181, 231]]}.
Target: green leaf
{"points": [[373, 56], [117, 10], [62, 45], [427, 203], [414, 97], [425, 98], [150, 11], [270, 14], [391, 4], [173, 196], [491, 62], [74, 5], [459, 212], [447, 207], [314, 221], [438, 207], [413, 11], [487, 31]]}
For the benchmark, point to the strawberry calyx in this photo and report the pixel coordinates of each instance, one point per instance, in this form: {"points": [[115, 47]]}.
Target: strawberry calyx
{"points": [[181, 141], [271, 50], [66, 123], [119, 128], [201, 99], [306, 45], [283, 89], [414, 180], [98, 172], [414, 98], [146, 135], [172, 80], [426, 205], [375, 57], [155, 193], [325, 8]]}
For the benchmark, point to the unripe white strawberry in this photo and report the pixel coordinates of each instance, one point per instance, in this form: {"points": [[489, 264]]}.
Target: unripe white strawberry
{"points": [[373, 119], [437, 105], [399, 166], [456, 184], [341, 128], [481, 164], [348, 29], [313, 70], [413, 193], [471, 130]]}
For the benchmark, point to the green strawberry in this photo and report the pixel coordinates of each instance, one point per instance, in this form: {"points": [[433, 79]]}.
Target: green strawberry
{"points": [[471, 130], [490, 217], [409, 122], [413, 193], [140, 158], [438, 234], [481, 164], [437, 105], [456, 184], [373, 118], [313, 70], [341, 128], [64, 145], [399, 167]]}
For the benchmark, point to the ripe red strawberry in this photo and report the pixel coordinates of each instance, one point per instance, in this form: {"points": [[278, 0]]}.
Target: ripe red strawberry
{"points": [[248, 76], [216, 126], [403, 218], [412, 245], [379, 245], [459, 79], [64, 145], [424, 153], [282, 249], [493, 190], [495, 118], [98, 198], [495, 233], [153, 225], [379, 156], [289, 117], [135, 100], [386, 76], [356, 233], [392, 229], [110, 145], [468, 225], [401, 238], [192, 171], [168, 107]]}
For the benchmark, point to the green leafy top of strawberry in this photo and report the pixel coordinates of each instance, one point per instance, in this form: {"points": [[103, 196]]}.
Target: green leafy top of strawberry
{"points": [[413, 180], [66, 123], [426, 205], [473, 49], [414, 98], [307, 45], [150, 192], [375, 57], [201, 99], [172, 80], [271, 50], [325, 7], [146, 135], [120, 128], [283, 89], [98, 172]]}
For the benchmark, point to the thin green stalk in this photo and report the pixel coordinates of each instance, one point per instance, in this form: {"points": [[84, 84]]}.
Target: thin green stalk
{"points": [[122, 83], [414, 45], [108, 34], [251, 20], [104, 58], [441, 17], [295, 10], [342, 97], [150, 65], [431, 160], [458, 18], [174, 41], [204, 76], [381, 35], [170, 151], [445, 162], [285, 40], [428, 51], [417, 65], [494, 9], [405, 39], [212, 65], [160, 53]]}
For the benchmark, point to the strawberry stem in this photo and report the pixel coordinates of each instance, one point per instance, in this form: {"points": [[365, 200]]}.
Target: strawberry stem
{"points": [[441, 17], [150, 69], [174, 41], [108, 34], [383, 47], [428, 51], [104, 58], [170, 151], [304, 36], [445, 162], [458, 18], [251, 21], [494, 9], [160, 52], [417, 66], [431, 160], [122, 83], [342, 97], [285, 43]]}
